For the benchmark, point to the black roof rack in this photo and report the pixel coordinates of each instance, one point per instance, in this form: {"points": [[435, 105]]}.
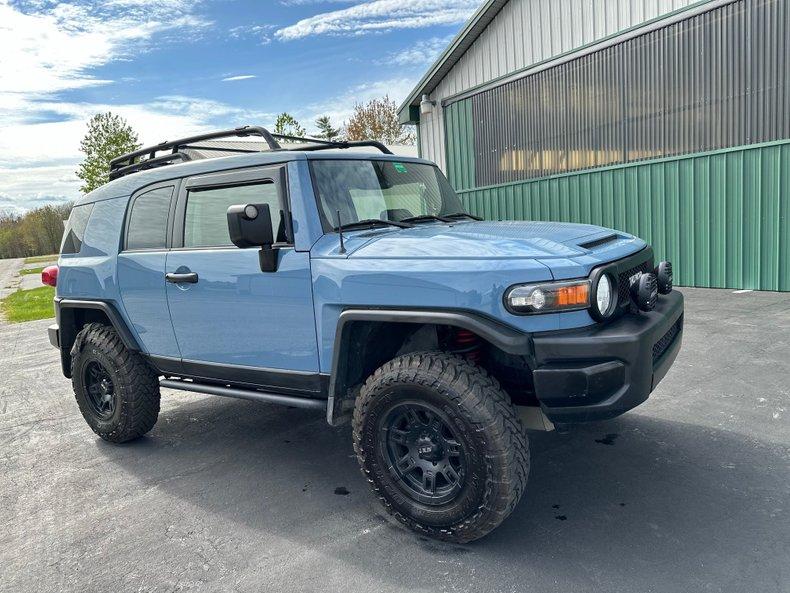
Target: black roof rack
{"points": [[129, 163]]}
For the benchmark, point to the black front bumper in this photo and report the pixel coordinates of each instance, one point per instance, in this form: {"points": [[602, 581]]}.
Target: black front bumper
{"points": [[601, 371]]}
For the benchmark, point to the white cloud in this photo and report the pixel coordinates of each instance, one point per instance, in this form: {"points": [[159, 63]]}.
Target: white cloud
{"points": [[55, 49], [379, 16], [261, 32], [341, 107], [239, 77], [308, 2], [49, 48], [422, 53], [38, 161]]}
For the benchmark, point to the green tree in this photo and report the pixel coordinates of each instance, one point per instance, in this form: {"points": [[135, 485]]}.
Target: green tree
{"points": [[37, 232], [108, 136], [326, 130], [287, 125], [378, 120]]}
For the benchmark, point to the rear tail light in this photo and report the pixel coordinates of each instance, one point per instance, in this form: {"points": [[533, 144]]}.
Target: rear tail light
{"points": [[49, 276]]}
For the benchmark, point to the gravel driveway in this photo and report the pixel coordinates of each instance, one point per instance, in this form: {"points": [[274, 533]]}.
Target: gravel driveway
{"points": [[690, 492], [8, 275]]}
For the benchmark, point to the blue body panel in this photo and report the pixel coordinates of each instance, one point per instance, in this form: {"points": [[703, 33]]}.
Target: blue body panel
{"points": [[238, 315], [142, 287], [464, 266]]}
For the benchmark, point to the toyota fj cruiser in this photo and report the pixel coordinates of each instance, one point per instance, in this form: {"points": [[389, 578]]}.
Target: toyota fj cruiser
{"points": [[356, 284]]}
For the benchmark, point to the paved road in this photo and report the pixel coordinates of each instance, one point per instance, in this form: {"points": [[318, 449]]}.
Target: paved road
{"points": [[8, 275], [690, 492]]}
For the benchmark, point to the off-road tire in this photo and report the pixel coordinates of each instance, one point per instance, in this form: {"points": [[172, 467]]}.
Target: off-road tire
{"points": [[135, 383], [480, 410]]}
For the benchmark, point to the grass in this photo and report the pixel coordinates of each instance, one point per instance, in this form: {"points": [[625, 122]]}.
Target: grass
{"points": [[41, 258], [27, 271], [29, 305]]}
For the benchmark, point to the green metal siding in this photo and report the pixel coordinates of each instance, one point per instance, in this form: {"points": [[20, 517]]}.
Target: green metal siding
{"points": [[720, 217], [460, 144]]}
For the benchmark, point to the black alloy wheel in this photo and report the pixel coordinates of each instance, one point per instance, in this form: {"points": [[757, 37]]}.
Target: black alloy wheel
{"points": [[100, 390], [441, 445], [422, 452], [116, 390]]}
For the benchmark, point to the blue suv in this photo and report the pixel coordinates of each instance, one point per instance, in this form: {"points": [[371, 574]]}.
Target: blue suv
{"points": [[355, 283]]}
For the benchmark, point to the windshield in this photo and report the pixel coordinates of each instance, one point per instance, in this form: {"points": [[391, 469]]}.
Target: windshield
{"points": [[378, 189]]}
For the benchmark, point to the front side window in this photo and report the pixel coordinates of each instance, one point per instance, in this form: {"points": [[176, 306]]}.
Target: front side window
{"points": [[148, 219], [379, 189], [75, 229], [206, 222]]}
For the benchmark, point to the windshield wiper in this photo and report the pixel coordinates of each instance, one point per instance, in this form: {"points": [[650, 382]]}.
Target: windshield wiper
{"points": [[461, 215], [371, 222], [424, 217]]}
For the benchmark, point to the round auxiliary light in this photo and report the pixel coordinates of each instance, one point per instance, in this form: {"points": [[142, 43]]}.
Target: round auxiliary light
{"points": [[250, 212], [603, 296], [664, 277], [644, 290]]}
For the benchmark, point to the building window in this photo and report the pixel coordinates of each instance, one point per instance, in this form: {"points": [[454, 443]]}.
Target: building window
{"points": [[716, 80]]}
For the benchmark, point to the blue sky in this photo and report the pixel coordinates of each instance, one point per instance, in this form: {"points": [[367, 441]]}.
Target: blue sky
{"points": [[175, 67]]}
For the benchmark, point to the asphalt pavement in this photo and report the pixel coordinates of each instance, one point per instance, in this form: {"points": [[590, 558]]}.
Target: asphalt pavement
{"points": [[689, 492]]}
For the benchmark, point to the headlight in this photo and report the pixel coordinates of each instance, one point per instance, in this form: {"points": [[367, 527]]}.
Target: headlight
{"points": [[604, 297], [548, 297]]}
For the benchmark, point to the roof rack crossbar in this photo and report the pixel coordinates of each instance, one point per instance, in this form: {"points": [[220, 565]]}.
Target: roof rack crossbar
{"points": [[150, 151], [125, 164], [320, 144], [220, 148], [165, 159]]}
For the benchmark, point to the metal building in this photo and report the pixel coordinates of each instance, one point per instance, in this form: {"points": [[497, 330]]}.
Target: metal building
{"points": [[669, 119]]}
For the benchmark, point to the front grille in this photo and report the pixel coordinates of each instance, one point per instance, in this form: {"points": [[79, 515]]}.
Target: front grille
{"points": [[624, 283], [660, 347]]}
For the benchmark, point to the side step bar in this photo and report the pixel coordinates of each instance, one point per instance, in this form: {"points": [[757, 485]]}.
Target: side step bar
{"points": [[251, 394]]}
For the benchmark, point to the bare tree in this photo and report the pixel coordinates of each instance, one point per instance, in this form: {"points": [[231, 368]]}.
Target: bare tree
{"points": [[378, 120]]}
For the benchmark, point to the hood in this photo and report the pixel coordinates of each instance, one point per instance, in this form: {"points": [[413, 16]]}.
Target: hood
{"points": [[485, 240]]}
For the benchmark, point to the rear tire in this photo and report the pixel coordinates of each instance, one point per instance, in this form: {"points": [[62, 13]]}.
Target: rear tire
{"points": [[116, 390], [441, 445]]}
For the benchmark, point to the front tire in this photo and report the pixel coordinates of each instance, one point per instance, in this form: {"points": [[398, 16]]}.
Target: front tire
{"points": [[116, 390], [441, 445]]}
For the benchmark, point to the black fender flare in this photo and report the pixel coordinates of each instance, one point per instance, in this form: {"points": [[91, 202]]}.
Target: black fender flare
{"points": [[68, 327], [497, 333]]}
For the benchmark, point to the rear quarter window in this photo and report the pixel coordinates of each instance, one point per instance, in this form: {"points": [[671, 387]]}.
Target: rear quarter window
{"points": [[148, 219], [75, 229]]}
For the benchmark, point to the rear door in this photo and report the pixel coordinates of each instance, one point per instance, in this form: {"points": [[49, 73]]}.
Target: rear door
{"points": [[141, 268], [233, 321]]}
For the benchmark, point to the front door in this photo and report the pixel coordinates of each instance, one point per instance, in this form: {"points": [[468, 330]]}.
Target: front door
{"points": [[232, 321]]}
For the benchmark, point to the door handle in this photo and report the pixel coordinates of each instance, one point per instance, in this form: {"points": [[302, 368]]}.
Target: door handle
{"points": [[189, 278]]}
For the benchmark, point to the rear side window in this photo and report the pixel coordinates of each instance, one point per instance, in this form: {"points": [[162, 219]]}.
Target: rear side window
{"points": [[206, 222], [148, 220], [75, 229]]}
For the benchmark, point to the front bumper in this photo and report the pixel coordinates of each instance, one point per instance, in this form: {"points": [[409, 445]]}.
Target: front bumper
{"points": [[602, 371]]}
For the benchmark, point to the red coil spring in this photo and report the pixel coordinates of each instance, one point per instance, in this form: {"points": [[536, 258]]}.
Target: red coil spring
{"points": [[467, 344]]}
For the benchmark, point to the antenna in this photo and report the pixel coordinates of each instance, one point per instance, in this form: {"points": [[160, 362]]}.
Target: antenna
{"points": [[340, 232]]}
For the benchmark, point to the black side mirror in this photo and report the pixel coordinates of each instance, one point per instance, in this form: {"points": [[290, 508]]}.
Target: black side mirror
{"points": [[250, 225]]}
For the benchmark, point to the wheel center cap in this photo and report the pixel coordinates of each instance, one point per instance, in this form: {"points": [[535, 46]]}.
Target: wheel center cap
{"points": [[428, 449]]}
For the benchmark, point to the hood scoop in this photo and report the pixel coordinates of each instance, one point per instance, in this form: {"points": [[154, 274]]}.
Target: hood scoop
{"points": [[599, 241]]}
